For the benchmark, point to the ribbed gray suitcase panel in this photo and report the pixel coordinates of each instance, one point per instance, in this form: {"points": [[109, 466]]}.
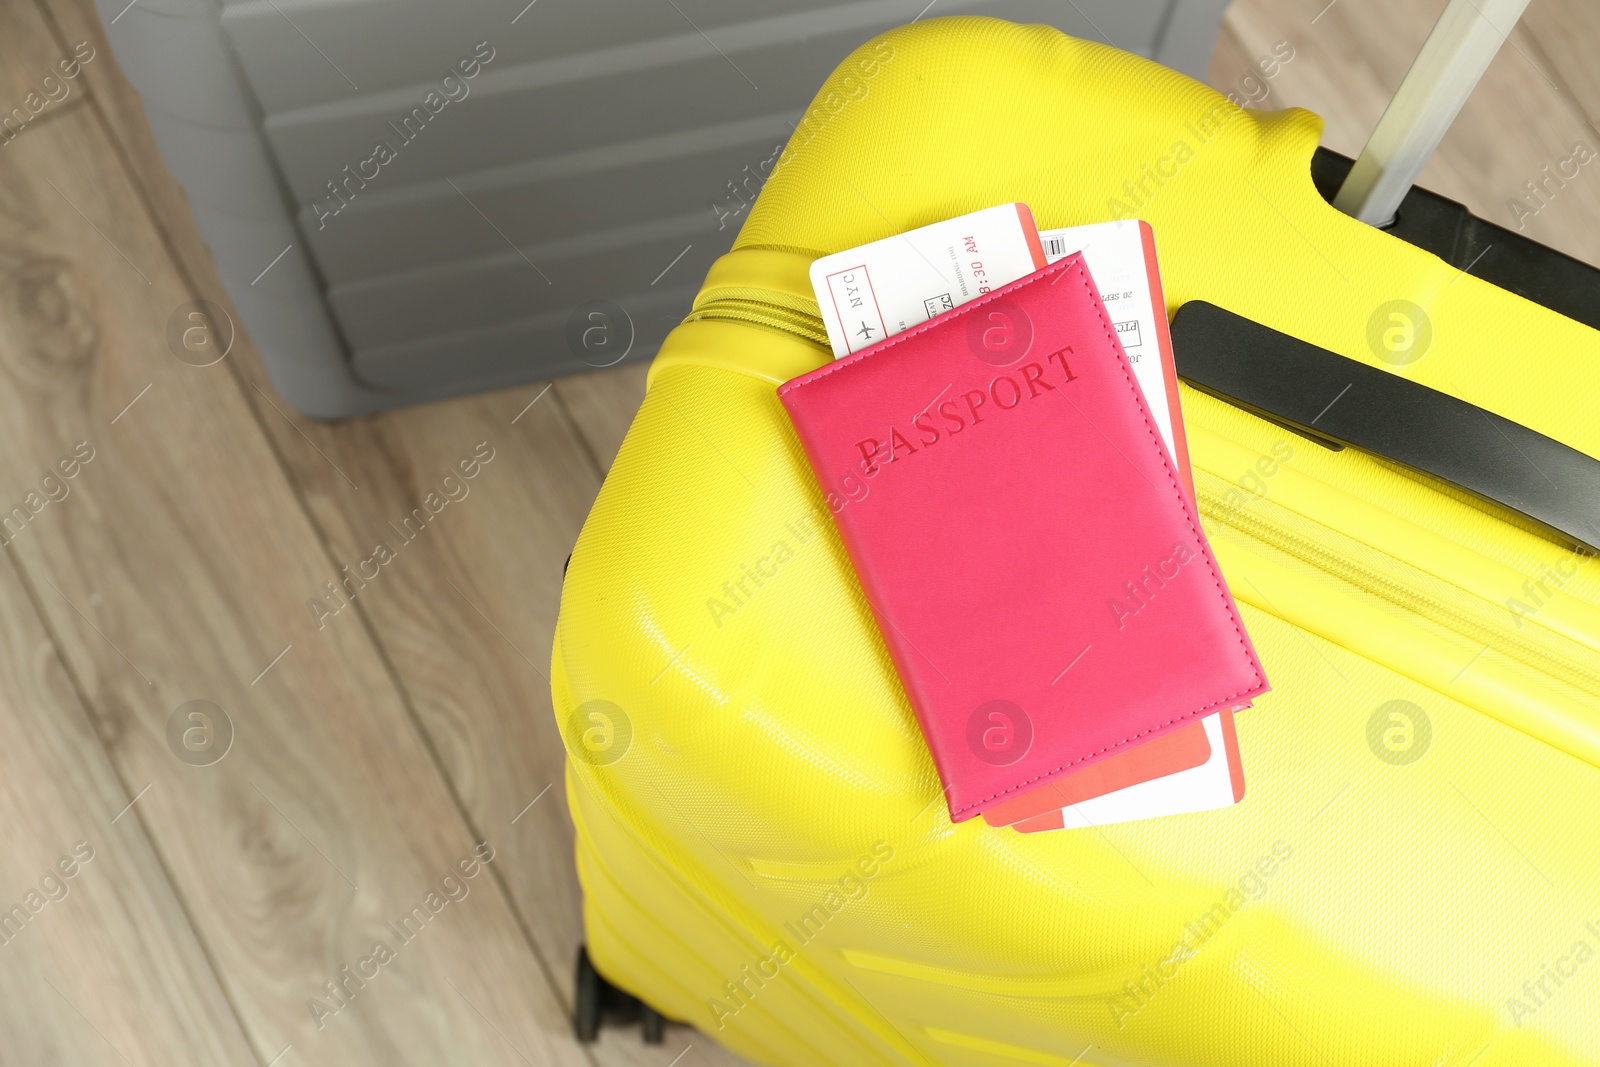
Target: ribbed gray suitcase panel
{"points": [[602, 140]]}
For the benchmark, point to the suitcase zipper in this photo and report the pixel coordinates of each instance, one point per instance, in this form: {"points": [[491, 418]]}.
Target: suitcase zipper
{"points": [[1459, 610], [754, 311]]}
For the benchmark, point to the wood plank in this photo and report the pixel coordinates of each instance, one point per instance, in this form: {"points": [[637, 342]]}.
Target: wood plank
{"points": [[1330, 73], [467, 615], [71, 21], [107, 970], [536, 861], [99, 966], [1229, 61], [1515, 123], [181, 568], [34, 86], [602, 405], [467, 611], [1559, 39]]}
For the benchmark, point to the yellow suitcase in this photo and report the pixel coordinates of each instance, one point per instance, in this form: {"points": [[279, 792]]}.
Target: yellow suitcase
{"points": [[1413, 876]]}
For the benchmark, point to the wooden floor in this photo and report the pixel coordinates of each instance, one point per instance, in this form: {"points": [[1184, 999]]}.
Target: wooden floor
{"points": [[376, 748]]}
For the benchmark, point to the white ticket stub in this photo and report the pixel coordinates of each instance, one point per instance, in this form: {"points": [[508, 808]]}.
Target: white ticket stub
{"points": [[1121, 257], [880, 289], [1216, 783]]}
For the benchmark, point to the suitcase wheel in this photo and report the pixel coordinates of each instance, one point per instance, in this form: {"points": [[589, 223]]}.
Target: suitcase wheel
{"points": [[588, 991], [595, 1000], [654, 1025]]}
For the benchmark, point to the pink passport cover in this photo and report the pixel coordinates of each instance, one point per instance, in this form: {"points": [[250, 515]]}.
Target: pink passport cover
{"points": [[1020, 532]]}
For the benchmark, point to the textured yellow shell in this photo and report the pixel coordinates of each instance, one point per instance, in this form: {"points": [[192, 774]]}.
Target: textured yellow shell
{"points": [[1413, 876]]}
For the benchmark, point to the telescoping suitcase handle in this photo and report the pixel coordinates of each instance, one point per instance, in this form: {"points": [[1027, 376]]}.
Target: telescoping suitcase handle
{"points": [[1339, 401], [1457, 52]]}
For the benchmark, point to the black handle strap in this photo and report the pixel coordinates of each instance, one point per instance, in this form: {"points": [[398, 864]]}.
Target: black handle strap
{"points": [[1340, 401]]}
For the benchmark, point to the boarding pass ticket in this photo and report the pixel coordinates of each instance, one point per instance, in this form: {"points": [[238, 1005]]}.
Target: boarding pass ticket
{"points": [[880, 289], [1121, 257]]}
